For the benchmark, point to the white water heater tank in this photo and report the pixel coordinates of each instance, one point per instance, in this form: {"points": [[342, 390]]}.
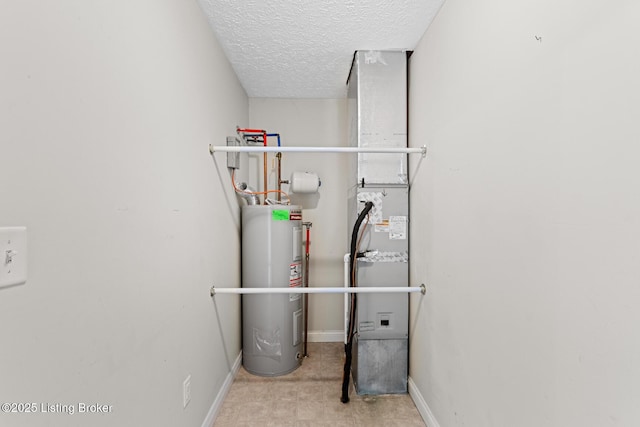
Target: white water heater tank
{"points": [[271, 258]]}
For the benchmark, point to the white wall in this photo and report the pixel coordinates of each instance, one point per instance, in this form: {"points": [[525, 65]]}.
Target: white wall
{"points": [[315, 122], [526, 214], [106, 113]]}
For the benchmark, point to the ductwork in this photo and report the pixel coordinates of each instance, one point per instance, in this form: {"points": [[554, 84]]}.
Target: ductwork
{"points": [[248, 194]]}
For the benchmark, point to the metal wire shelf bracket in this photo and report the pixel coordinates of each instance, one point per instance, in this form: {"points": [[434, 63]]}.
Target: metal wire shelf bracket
{"points": [[271, 149], [335, 290]]}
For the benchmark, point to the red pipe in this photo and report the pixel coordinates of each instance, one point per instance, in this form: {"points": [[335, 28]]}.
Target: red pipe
{"points": [[252, 130]]}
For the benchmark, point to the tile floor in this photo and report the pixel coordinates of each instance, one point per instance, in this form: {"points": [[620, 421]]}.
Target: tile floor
{"points": [[310, 396]]}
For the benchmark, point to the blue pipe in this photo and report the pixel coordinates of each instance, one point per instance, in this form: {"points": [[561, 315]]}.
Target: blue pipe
{"points": [[275, 134]]}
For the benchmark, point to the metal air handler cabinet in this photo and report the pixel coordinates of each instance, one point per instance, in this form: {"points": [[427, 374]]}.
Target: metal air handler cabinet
{"points": [[271, 258], [377, 108]]}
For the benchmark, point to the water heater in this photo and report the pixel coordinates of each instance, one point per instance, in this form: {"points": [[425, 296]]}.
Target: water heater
{"points": [[271, 258]]}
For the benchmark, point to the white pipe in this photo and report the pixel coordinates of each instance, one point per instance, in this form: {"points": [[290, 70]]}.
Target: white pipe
{"points": [[272, 149], [340, 290]]}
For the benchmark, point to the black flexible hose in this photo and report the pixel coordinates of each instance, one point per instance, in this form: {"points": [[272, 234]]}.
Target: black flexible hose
{"points": [[352, 315]]}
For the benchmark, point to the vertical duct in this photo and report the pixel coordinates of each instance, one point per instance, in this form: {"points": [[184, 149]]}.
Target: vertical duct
{"points": [[377, 98]]}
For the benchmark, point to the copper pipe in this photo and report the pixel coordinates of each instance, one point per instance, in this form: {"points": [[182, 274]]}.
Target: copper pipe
{"points": [[279, 157], [306, 285], [264, 167]]}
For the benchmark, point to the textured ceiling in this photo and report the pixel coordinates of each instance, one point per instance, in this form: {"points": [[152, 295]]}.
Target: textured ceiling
{"points": [[303, 48]]}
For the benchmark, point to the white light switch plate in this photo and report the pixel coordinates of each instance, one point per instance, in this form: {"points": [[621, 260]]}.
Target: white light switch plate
{"points": [[13, 256]]}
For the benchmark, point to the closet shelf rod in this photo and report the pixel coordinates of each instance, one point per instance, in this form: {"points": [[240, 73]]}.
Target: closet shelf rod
{"points": [[319, 290], [271, 149]]}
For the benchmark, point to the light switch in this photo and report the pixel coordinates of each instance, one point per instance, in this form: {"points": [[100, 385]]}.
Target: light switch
{"points": [[13, 256]]}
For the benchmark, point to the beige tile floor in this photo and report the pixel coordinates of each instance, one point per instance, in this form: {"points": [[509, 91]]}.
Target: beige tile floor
{"points": [[310, 396]]}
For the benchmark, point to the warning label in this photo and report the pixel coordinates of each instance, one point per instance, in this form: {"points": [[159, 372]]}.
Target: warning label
{"points": [[397, 227], [295, 279], [382, 227]]}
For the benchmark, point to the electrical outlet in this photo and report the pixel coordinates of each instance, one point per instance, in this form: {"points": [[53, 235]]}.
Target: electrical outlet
{"points": [[186, 391]]}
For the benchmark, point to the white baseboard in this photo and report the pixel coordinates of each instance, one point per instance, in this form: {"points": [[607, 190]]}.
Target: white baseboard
{"points": [[425, 412], [326, 336], [224, 390]]}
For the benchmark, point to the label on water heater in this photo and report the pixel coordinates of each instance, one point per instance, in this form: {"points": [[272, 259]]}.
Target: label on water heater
{"points": [[285, 215], [280, 215], [295, 279]]}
